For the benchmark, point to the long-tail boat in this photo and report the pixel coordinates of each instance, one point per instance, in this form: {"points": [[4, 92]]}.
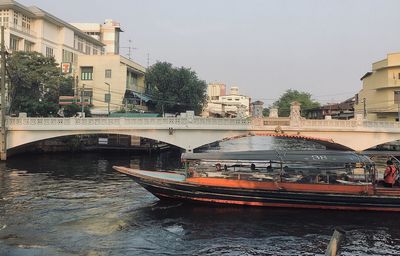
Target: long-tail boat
{"points": [[300, 179]]}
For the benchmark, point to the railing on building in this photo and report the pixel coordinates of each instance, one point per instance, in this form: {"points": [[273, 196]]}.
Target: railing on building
{"points": [[18, 28]]}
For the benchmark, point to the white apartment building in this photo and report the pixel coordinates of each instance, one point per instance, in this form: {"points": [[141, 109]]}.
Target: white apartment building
{"points": [[232, 105], [32, 29], [107, 33]]}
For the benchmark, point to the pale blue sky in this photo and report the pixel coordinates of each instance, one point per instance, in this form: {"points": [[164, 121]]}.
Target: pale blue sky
{"points": [[264, 47]]}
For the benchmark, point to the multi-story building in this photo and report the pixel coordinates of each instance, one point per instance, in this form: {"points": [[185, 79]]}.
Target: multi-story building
{"points": [[215, 90], [232, 105], [107, 33], [115, 75], [32, 29], [379, 99], [342, 110], [80, 54]]}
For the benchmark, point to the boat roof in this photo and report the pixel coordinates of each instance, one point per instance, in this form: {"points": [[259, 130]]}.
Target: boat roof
{"points": [[308, 156]]}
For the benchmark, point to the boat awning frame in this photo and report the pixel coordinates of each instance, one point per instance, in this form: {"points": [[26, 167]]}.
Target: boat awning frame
{"points": [[305, 156]]}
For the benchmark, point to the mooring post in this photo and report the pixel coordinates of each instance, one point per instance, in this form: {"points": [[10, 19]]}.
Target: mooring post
{"points": [[3, 140], [334, 243]]}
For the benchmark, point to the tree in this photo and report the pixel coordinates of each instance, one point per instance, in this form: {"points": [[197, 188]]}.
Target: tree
{"points": [[304, 98], [35, 82], [175, 89]]}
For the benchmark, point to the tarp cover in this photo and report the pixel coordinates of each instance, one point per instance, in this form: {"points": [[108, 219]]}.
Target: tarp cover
{"points": [[306, 156]]}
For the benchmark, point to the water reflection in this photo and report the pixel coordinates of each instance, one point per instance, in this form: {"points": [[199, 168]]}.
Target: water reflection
{"points": [[75, 204]]}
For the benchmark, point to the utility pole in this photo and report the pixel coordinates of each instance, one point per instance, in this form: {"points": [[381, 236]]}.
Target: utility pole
{"points": [[108, 97], [82, 101], [3, 150], [365, 107]]}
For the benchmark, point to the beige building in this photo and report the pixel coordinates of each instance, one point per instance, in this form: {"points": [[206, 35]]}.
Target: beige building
{"points": [[107, 33], [215, 90], [379, 98], [114, 74]]}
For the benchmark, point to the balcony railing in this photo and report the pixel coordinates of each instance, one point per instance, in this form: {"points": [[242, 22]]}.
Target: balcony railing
{"points": [[18, 28]]}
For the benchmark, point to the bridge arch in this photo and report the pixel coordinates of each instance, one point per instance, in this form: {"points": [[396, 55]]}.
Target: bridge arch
{"points": [[185, 139]]}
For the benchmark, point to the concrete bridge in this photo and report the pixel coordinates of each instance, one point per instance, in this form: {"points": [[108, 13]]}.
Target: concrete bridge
{"points": [[190, 132]]}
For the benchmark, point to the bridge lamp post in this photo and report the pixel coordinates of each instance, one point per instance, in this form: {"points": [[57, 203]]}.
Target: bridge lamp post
{"points": [[107, 97]]}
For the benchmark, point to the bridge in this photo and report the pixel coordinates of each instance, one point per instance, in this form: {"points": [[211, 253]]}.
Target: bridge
{"points": [[190, 132]]}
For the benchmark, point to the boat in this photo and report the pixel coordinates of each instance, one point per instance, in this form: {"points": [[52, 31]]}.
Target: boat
{"points": [[316, 179]]}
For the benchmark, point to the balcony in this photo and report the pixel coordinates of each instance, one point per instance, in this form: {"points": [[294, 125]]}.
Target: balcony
{"points": [[18, 28]]}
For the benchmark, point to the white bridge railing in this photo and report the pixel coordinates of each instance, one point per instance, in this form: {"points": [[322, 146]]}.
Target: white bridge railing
{"points": [[16, 123]]}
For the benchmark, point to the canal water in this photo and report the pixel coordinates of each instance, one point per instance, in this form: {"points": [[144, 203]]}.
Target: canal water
{"points": [[75, 204]]}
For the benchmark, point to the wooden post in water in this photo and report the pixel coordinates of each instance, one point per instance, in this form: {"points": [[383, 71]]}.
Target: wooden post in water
{"points": [[336, 239]]}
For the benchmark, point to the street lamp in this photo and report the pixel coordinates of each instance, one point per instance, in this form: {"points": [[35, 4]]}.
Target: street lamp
{"points": [[107, 97]]}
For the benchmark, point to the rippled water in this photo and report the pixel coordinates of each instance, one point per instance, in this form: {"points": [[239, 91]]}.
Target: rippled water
{"points": [[75, 204]]}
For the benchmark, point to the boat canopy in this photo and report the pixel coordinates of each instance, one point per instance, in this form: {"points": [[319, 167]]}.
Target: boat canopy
{"points": [[306, 156]]}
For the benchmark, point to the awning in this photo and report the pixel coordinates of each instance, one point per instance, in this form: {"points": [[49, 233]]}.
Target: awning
{"points": [[141, 96]]}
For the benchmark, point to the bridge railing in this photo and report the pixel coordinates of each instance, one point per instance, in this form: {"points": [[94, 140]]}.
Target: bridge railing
{"points": [[381, 124], [328, 123], [118, 122]]}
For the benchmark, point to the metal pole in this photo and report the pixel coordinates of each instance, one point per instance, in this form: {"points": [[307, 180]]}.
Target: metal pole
{"points": [[3, 151], [83, 107], [109, 99], [365, 108]]}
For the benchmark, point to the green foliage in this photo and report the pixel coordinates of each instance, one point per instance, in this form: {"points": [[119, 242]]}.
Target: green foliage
{"points": [[35, 84], [265, 112], [283, 104], [176, 89]]}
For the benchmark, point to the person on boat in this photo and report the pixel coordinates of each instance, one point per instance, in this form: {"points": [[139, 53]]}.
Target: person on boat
{"points": [[252, 167], [389, 177]]}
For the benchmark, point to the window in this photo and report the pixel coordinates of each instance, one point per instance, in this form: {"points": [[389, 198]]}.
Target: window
{"points": [[14, 43], [108, 73], [67, 56], [87, 49], [49, 52], [86, 73], [26, 23], [95, 51], [4, 17], [28, 46], [80, 45], [396, 97], [356, 99], [16, 18]]}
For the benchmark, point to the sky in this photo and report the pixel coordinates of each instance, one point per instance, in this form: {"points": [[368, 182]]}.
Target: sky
{"points": [[263, 47]]}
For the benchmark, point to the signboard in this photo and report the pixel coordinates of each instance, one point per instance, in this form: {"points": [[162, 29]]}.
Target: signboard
{"points": [[103, 141], [66, 67]]}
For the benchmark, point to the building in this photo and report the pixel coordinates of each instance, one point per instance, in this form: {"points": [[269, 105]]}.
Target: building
{"points": [[107, 33], [232, 105], [80, 53], [215, 90], [343, 110], [32, 29], [118, 76], [379, 98]]}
